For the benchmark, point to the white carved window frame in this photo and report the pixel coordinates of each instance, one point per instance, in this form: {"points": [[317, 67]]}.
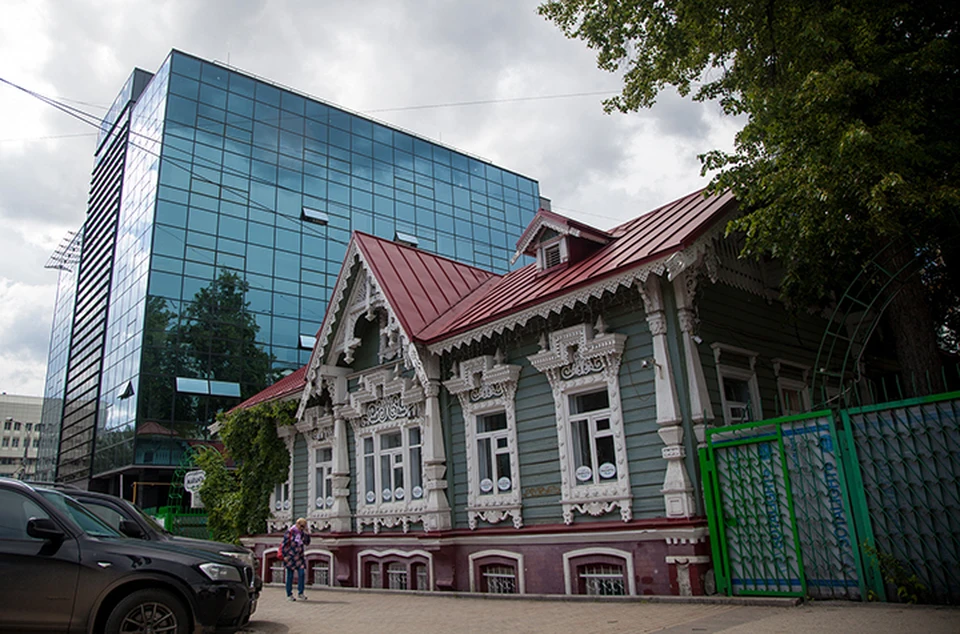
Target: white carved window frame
{"points": [[476, 560], [739, 374], [785, 384], [321, 436], [578, 361], [280, 519], [383, 404], [485, 385]]}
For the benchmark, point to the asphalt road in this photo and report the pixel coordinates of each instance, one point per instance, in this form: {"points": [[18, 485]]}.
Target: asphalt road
{"points": [[349, 611]]}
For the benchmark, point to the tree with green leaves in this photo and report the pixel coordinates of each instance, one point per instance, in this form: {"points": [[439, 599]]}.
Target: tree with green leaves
{"points": [[238, 501], [852, 137], [219, 332]]}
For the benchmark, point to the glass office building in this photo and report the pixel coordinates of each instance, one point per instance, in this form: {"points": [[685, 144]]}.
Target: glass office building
{"points": [[220, 210]]}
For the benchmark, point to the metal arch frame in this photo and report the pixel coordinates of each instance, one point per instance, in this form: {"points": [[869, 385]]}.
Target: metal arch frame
{"points": [[873, 279]]}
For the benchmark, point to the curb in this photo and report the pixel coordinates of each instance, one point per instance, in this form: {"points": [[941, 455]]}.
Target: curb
{"points": [[770, 602]]}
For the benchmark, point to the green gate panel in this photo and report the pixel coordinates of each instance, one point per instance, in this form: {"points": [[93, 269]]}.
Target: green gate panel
{"points": [[780, 510], [908, 490]]}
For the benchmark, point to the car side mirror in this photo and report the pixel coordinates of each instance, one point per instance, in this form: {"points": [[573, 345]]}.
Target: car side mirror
{"points": [[131, 529], [44, 528]]}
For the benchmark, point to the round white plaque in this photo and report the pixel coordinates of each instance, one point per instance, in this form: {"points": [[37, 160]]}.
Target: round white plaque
{"points": [[398, 493], [417, 492], [387, 495], [319, 503], [486, 485], [504, 483], [371, 497], [607, 470], [584, 473]]}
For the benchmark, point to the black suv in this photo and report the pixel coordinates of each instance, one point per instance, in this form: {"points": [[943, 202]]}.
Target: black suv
{"points": [[62, 569], [129, 519]]}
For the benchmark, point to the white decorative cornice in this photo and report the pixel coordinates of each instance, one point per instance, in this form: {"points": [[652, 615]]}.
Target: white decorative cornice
{"points": [[556, 305], [701, 251], [577, 351], [381, 397]]}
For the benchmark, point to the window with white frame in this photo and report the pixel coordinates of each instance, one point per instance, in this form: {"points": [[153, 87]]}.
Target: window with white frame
{"points": [[599, 571], [582, 364], [737, 377], [280, 500], [493, 454], [323, 478], [485, 386], [601, 580], [321, 573], [498, 579], [392, 466], [792, 391], [594, 452], [552, 253]]}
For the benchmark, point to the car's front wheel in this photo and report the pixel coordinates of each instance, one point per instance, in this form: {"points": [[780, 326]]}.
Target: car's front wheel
{"points": [[149, 612]]}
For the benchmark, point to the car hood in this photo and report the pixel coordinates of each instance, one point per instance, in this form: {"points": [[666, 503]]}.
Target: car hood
{"points": [[205, 545], [171, 550]]}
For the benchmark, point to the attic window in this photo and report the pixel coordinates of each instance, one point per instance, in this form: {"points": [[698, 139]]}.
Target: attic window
{"points": [[551, 254]]}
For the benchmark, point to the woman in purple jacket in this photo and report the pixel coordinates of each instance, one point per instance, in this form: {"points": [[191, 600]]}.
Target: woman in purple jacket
{"points": [[294, 541]]}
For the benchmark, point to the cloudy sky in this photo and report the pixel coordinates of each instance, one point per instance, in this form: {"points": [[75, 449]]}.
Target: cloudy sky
{"points": [[417, 64]]}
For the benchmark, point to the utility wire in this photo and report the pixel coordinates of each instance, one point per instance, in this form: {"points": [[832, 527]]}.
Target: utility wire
{"points": [[485, 102]]}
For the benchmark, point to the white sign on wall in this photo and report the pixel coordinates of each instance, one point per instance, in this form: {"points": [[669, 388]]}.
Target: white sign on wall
{"points": [[192, 481]]}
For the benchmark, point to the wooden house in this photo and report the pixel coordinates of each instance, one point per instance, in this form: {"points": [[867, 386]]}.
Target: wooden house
{"points": [[534, 432]]}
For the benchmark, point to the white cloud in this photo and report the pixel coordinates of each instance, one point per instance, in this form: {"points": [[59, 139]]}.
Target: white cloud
{"points": [[368, 55]]}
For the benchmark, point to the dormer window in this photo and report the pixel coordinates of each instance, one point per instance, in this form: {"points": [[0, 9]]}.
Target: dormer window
{"points": [[558, 242], [551, 254]]}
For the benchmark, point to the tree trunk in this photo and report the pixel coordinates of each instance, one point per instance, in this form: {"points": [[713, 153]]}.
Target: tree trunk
{"points": [[914, 331]]}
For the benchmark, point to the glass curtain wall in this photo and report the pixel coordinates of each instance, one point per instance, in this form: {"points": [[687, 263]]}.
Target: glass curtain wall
{"points": [[239, 201]]}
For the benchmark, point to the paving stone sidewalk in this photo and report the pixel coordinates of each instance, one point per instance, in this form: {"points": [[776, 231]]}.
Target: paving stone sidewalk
{"points": [[351, 611]]}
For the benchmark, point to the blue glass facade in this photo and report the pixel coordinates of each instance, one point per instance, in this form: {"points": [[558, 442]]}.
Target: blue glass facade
{"points": [[237, 205]]}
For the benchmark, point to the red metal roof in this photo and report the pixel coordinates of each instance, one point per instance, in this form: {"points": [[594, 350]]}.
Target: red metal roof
{"points": [[647, 238], [419, 286], [287, 386]]}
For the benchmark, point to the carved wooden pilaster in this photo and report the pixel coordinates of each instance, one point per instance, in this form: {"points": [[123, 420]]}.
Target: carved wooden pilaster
{"points": [[701, 410], [677, 489]]}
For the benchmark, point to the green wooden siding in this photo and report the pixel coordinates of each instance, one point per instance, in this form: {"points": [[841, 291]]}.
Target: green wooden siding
{"points": [[537, 429], [738, 318], [639, 403]]}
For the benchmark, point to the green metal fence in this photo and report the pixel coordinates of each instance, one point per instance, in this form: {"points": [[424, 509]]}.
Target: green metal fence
{"points": [[778, 511], [907, 493], [797, 507], [184, 523]]}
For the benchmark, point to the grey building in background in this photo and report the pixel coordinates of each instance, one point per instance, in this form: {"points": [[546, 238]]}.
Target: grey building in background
{"points": [[219, 212], [20, 431]]}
